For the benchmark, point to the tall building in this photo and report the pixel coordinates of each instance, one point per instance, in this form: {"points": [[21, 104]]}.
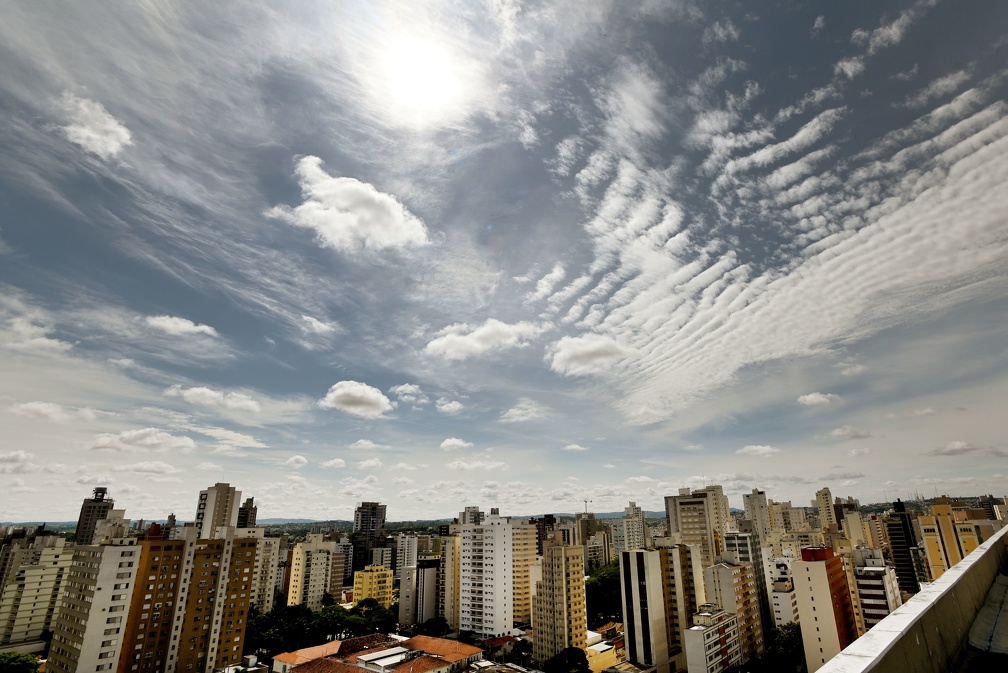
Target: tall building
{"points": [[99, 587], [559, 615], [545, 525], [783, 599], [33, 567], [486, 577], [685, 590], [733, 588], [876, 585], [218, 506], [407, 547], [92, 510], [713, 643], [418, 591], [757, 510], [448, 580], [701, 518], [824, 504], [743, 548], [948, 539], [471, 515], [523, 557], [247, 514], [824, 605], [646, 626], [902, 539], [368, 531], [311, 567], [373, 582]]}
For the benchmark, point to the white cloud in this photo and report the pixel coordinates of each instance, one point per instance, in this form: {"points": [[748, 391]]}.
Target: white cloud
{"points": [[850, 67], [546, 284], [16, 462], [641, 479], [862, 451], [469, 465], [95, 479], [334, 462], [176, 326], [851, 369], [209, 467], [818, 25], [720, 32], [144, 439], [525, 410], [402, 480], [818, 399], [367, 445], [575, 447], [210, 397], [229, 438], [356, 398], [148, 467], [847, 432], [588, 354], [450, 407], [347, 214], [402, 467], [409, 393], [93, 128], [928, 411], [53, 412], [757, 450], [608, 466], [316, 326], [296, 462], [461, 340], [454, 444], [940, 87], [370, 464], [886, 35]]}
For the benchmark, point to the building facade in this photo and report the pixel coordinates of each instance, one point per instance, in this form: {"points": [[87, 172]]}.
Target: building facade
{"points": [[559, 616], [824, 605]]}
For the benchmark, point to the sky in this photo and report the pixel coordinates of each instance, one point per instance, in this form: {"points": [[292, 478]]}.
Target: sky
{"points": [[513, 254]]}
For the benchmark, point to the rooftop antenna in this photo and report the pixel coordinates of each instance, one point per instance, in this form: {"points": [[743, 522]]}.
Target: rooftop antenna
{"points": [[586, 501]]}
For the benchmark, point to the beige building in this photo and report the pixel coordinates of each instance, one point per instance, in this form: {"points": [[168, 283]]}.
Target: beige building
{"points": [[523, 557], [559, 617], [373, 582], [948, 537], [448, 581], [713, 643], [824, 605], [685, 588], [311, 567], [733, 588], [700, 517], [33, 569], [218, 506]]}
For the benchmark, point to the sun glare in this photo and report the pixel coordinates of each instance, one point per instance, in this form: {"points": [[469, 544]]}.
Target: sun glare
{"points": [[422, 82]]}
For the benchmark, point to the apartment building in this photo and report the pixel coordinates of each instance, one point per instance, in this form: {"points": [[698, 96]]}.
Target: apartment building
{"points": [[373, 582], [733, 588], [713, 643], [486, 576], [559, 616], [825, 610], [33, 566]]}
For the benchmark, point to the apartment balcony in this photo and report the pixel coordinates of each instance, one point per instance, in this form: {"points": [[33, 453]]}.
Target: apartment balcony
{"points": [[957, 624]]}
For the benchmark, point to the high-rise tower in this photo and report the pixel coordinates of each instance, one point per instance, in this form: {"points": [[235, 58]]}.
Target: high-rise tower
{"points": [[92, 510]]}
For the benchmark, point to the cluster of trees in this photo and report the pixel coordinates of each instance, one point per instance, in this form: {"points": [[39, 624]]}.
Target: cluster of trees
{"points": [[602, 595], [286, 628], [16, 662]]}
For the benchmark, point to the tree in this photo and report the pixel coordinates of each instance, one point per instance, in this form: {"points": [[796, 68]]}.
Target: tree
{"points": [[602, 595], [567, 660], [784, 649], [17, 662]]}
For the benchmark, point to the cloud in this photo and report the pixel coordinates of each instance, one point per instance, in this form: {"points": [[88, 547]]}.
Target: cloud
{"points": [[851, 368], [850, 67], [209, 467], [847, 432], [588, 354], [402, 480], [720, 32], [928, 411], [525, 410], [818, 25], [546, 284], [469, 465], [461, 340], [209, 397], [409, 393], [838, 476], [370, 464], [347, 214], [95, 479], [296, 462], [608, 466], [356, 398], [145, 439], [862, 451], [229, 438], [16, 462], [757, 450], [316, 326], [818, 399], [886, 35], [53, 412], [960, 448], [333, 462], [642, 479], [450, 407], [148, 467], [454, 444], [402, 467], [574, 447], [367, 445], [942, 86], [176, 326], [93, 128]]}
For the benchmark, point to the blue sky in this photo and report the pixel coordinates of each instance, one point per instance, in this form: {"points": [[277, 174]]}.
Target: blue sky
{"points": [[505, 253]]}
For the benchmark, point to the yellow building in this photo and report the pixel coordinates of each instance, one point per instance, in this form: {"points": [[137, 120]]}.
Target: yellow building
{"points": [[947, 537], [523, 556], [373, 582], [559, 616]]}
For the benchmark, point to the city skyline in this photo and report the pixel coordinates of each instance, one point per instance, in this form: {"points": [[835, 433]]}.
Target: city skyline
{"points": [[520, 255]]}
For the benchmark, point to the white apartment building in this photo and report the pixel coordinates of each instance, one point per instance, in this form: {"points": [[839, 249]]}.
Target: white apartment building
{"points": [[824, 503], [32, 572], [642, 587], [99, 587], [780, 584], [310, 571], [486, 578], [757, 510], [712, 643], [407, 547]]}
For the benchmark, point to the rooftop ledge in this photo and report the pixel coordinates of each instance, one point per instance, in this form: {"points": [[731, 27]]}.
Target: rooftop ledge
{"points": [[929, 632]]}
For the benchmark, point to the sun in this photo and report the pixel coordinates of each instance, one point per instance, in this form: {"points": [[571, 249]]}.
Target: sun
{"points": [[422, 81]]}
